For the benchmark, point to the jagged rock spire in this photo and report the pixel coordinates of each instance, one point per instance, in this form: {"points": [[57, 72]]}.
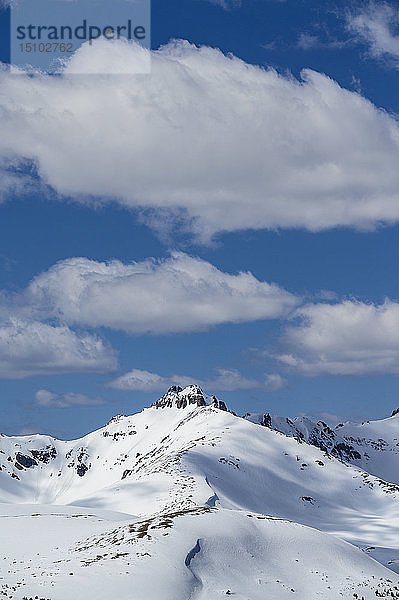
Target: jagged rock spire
{"points": [[176, 397]]}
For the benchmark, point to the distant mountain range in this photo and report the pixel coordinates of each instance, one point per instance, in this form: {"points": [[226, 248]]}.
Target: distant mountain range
{"points": [[188, 501]]}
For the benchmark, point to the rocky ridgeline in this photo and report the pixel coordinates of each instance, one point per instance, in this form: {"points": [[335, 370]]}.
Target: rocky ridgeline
{"points": [[177, 397], [26, 454], [316, 434]]}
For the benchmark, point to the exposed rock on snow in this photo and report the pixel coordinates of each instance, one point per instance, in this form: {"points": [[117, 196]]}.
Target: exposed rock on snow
{"points": [[214, 504]]}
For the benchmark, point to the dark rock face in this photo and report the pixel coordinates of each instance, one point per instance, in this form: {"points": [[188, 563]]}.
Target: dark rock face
{"points": [[27, 461], [326, 430], [345, 452], [219, 404], [178, 398], [308, 499], [44, 455], [395, 412], [174, 389], [192, 395], [79, 461], [323, 437], [266, 420], [23, 461], [81, 469]]}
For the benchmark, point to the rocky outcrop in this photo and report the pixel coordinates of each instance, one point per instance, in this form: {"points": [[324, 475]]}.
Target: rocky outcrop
{"points": [[45, 454], [26, 461], [266, 420], [79, 461], [218, 404], [192, 395]]}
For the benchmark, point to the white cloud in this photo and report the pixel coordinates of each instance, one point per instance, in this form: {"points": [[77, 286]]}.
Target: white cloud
{"points": [[275, 382], [224, 380], [220, 143], [349, 338], [307, 41], [32, 348], [114, 58], [145, 381], [377, 25], [49, 399], [177, 294]]}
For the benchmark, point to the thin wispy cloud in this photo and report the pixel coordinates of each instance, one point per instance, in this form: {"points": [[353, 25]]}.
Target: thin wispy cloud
{"points": [[224, 380], [227, 4], [333, 419], [377, 25], [30, 429], [47, 399], [309, 41]]}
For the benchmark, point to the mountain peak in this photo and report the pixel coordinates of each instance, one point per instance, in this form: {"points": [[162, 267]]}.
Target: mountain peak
{"points": [[177, 397]]}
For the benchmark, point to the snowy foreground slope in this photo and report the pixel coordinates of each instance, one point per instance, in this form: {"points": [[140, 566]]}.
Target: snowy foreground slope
{"points": [[187, 501]]}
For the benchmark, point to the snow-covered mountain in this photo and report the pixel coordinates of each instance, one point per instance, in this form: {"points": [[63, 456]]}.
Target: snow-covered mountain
{"points": [[212, 503], [371, 445]]}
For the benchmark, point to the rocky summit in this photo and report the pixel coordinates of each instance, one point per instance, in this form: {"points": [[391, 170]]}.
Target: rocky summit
{"points": [[191, 395]]}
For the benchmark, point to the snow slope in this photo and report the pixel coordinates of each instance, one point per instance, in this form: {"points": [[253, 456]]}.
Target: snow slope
{"points": [[207, 500], [198, 554], [371, 445]]}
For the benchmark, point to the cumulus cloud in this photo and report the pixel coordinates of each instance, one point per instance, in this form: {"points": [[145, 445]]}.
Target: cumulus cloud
{"points": [[378, 26], [223, 145], [34, 348], [177, 294], [49, 399], [224, 380], [116, 58], [38, 332], [349, 338]]}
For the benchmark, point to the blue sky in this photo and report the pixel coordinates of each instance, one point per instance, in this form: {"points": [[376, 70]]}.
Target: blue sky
{"points": [[91, 327]]}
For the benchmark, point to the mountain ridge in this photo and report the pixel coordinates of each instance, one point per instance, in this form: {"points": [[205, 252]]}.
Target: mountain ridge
{"points": [[183, 472]]}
